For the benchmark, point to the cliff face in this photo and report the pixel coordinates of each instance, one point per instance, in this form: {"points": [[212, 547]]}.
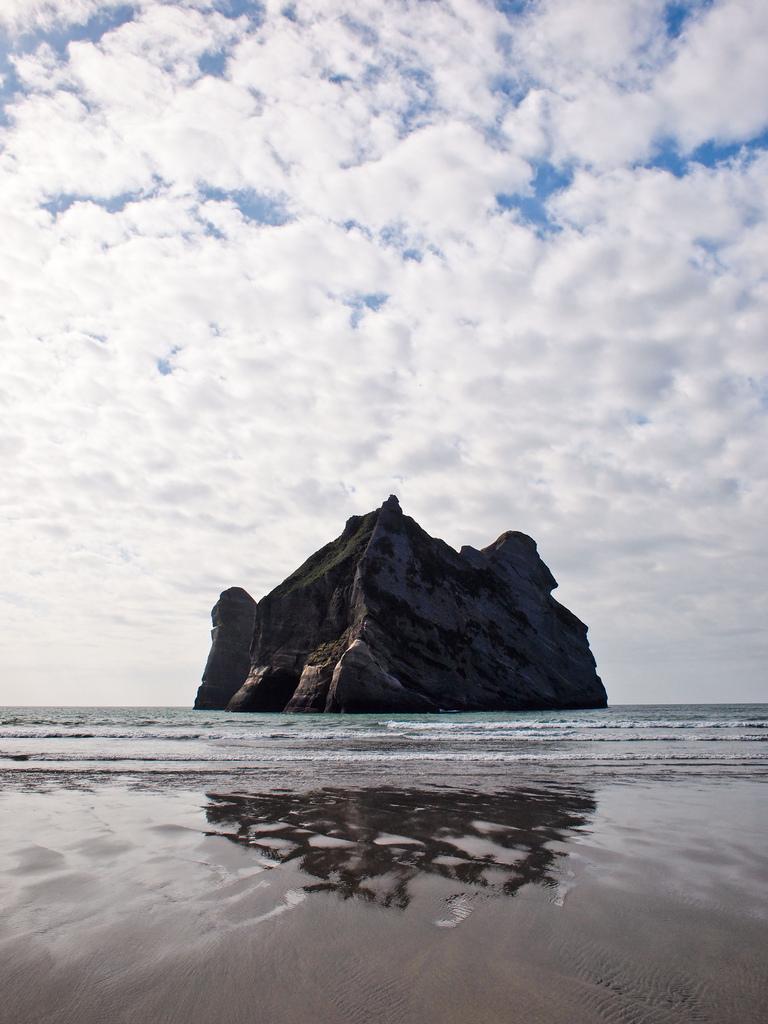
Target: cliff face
{"points": [[386, 618], [229, 662]]}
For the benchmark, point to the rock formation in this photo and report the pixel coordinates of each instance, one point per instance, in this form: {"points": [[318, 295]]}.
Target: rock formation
{"points": [[229, 662], [386, 618]]}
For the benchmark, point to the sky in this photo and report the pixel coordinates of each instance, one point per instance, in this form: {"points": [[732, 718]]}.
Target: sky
{"points": [[263, 264]]}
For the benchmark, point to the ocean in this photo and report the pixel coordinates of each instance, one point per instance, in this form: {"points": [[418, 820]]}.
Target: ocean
{"points": [[183, 743], [573, 867]]}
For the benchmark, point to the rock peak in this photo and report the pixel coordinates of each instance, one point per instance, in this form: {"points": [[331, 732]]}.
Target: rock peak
{"points": [[386, 618]]}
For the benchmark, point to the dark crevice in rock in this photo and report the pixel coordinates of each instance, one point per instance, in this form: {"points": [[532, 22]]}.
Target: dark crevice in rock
{"points": [[271, 690]]}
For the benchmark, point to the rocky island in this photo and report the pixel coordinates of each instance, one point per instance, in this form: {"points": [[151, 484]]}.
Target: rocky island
{"points": [[388, 619]]}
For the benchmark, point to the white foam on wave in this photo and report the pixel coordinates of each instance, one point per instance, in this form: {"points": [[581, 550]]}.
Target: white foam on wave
{"points": [[581, 724], [594, 755], [424, 732]]}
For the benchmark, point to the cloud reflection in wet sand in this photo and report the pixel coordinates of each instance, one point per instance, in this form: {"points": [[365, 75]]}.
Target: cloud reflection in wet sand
{"points": [[373, 843]]}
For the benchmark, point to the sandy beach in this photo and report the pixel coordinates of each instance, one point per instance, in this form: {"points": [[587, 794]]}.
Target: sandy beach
{"points": [[630, 900]]}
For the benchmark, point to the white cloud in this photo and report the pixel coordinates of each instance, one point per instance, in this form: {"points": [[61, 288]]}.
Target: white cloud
{"points": [[712, 89], [192, 398], [28, 15], [562, 43]]}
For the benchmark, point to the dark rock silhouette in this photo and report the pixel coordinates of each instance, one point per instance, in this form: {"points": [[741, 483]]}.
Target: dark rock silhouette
{"points": [[229, 662], [388, 619], [373, 844]]}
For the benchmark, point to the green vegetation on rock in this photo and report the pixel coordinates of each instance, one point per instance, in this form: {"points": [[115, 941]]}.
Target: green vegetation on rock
{"points": [[329, 653], [350, 544]]}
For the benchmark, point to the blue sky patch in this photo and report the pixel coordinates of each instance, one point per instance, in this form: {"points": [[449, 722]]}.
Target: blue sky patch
{"points": [[669, 158], [112, 204], [212, 62], [711, 152], [547, 180], [241, 8], [509, 86], [209, 228], [165, 366], [356, 225], [395, 236], [360, 30], [512, 8], [10, 85], [360, 303], [677, 14], [254, 206]]}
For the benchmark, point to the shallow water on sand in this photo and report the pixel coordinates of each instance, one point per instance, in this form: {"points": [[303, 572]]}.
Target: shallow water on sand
{"points": [[624, 898]]}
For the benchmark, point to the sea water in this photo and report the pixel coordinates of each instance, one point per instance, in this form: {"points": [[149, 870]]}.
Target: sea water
{"points": [[705, 737]]}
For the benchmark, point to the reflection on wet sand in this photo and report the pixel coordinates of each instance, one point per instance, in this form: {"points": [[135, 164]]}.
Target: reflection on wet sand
{"points": [[128, 905], [373, 843]]}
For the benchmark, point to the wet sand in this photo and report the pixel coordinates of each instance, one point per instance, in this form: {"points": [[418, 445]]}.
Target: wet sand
{"points": [[629, 900]]}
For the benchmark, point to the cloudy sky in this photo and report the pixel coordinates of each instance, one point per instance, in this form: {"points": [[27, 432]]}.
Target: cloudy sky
{"points": [[263, 264]]}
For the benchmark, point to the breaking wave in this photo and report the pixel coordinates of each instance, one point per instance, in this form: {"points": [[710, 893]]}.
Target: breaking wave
{"points": [[137, 737]]}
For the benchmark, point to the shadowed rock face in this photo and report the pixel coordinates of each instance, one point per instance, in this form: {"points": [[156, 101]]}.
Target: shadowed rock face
{"points": [[229, 662], [374, 844], [386, 618]]}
